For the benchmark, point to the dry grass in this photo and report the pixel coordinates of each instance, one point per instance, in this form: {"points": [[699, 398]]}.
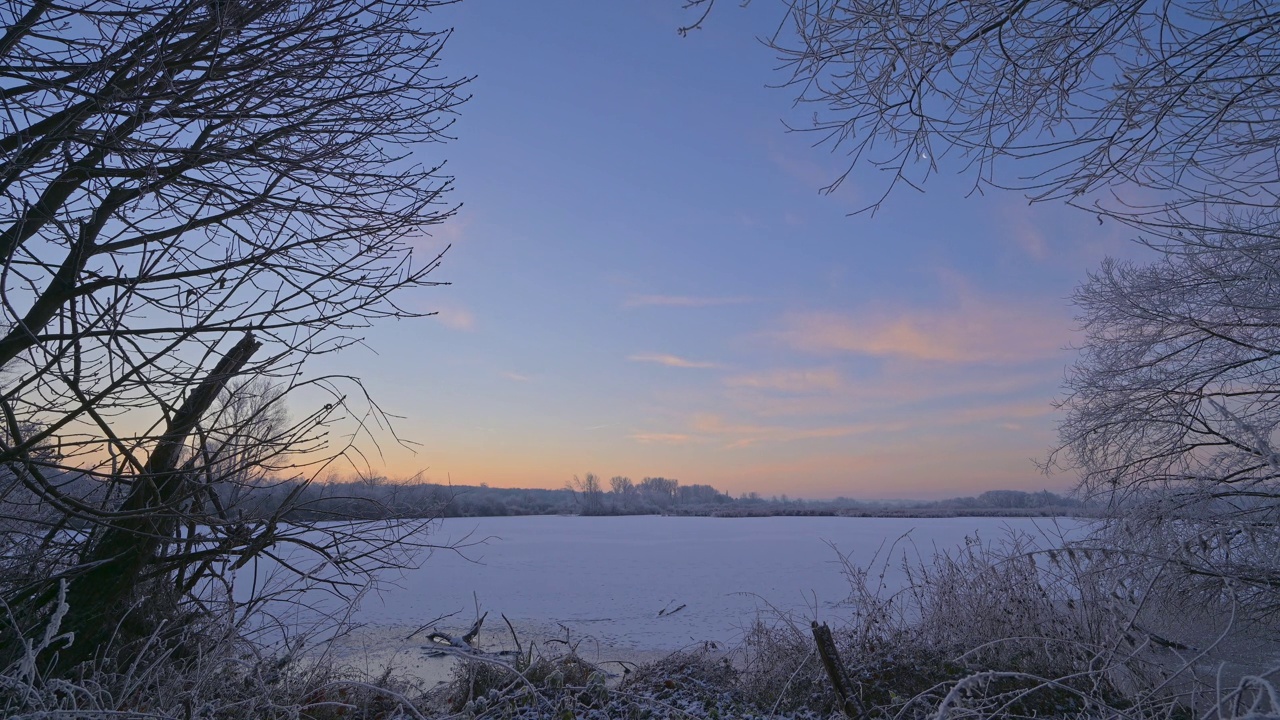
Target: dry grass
{"points": [[995, 631], [1008, 630], [207, 670]]}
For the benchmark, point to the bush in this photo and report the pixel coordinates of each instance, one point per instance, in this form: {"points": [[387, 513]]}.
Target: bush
{"points": [[1003, 630]]}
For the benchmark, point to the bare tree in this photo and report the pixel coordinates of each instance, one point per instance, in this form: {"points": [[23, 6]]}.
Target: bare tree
{"points": [[660, 491], [589, 493], [246, 436], [1082, 101], [1161, 115], [1174, 407], [194, 192], [621, 486]]}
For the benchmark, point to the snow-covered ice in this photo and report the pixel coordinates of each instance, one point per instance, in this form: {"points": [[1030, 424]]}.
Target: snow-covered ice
{"points": [[633, 588], [648, 583]]}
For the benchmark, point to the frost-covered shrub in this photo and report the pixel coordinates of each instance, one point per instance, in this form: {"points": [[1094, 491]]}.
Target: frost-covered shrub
{"points": [[993, 630], [485, 686], [206, 669]]}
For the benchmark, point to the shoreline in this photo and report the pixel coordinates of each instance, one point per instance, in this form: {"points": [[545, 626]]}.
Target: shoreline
{"points": [[373, 650]]}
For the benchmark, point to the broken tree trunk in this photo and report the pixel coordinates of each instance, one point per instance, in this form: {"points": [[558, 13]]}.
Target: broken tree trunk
{"points": [[466, 643], [119, 550], [849, 702]]}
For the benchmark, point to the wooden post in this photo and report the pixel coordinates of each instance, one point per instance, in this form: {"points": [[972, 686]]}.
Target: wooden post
{"points": [[835, 670]]}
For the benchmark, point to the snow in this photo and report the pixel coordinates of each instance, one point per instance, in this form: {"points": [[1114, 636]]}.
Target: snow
{"points": [[648, 583], [621, 588]]}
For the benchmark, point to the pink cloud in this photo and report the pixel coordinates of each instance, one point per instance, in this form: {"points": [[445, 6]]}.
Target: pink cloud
{"points": [[972, 330], [814, 176], [790, 381], [745, 435], [456, 318], [664, 438], [898, 385], [886, 472], [435, 238], [712, 428], [1007, 411], [671, 361], [1020, 223]]}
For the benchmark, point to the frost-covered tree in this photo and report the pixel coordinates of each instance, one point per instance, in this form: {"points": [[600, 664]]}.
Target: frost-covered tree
{"points": [[1083, 101], [1162, 115], [588, 493], [1173, 409]]}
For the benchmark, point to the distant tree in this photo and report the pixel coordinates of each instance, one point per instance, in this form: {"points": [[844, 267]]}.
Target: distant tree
{"points": [[589, 494], [1005, 499], [193, 193], [621, 486], [659, 491], [625, 498], [244, 439], [700, 495]]}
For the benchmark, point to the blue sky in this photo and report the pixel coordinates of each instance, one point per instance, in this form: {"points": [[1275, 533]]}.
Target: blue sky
{"points": [[646, 281]]}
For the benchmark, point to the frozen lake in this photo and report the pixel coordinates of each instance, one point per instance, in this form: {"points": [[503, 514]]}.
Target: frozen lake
{"points": [[616, 582]]}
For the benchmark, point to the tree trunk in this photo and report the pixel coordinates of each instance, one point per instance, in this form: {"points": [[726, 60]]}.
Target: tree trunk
{"points": [[118, 553]]}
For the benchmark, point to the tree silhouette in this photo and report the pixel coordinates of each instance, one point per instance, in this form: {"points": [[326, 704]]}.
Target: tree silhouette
{"points": [[193, 192]]}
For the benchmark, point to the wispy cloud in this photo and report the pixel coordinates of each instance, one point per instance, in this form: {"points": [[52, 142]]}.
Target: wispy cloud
{"points": [[711, 428], [813, 175], [681, 301], [1020, 224], [790, 381], [894, 469], [971, 330], [437, 237], [456, 318], [1010, 412], [740, 435], [515, 377], [672, 361], [902, 386], [664, 438]]}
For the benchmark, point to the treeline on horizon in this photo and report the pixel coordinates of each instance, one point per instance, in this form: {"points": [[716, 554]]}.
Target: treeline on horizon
{"points": [[379, 498]]}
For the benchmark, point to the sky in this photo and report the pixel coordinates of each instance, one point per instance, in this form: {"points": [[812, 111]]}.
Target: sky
{"points": [[646, 281]]}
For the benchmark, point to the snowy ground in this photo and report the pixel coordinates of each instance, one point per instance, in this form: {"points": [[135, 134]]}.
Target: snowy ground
{"points": [[638, 587]]}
